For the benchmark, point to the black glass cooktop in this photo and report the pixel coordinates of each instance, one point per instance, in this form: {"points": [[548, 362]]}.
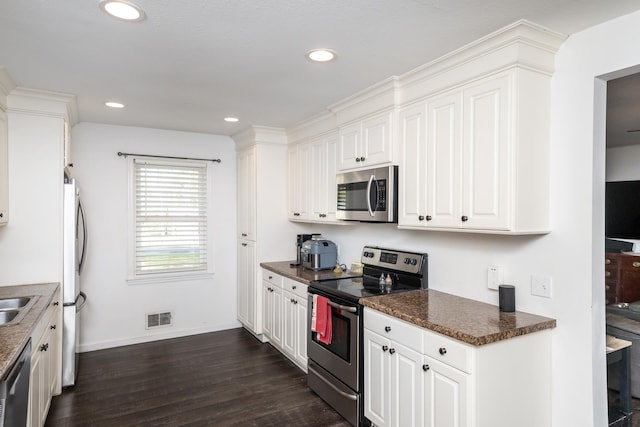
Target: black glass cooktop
{"points": [[357, 287]]}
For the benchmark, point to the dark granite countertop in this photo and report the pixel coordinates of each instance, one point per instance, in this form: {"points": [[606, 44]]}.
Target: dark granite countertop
{"points": [[466, 320], [14, 336], [304, 275]]}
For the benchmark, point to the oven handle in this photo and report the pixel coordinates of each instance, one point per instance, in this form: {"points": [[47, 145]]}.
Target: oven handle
{"points": [[336, 389], [342, 307]]}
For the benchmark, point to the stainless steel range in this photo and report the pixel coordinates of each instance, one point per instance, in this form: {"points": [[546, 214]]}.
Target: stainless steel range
{"points": [[336, 368]]}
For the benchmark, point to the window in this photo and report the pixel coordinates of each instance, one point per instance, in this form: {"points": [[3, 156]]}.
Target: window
{"points": [[169, 218]]}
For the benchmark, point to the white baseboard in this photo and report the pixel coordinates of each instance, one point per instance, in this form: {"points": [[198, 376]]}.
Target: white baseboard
{"points": [[166, 334]]}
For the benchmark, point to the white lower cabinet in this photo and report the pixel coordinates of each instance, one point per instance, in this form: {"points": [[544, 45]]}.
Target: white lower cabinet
{"points": [[416, 377], [285, 316], [248, 291], [45, 373], [272, 308]]}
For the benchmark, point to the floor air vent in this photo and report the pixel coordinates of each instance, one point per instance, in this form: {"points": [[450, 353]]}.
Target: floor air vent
{"points": [[156, 320]]}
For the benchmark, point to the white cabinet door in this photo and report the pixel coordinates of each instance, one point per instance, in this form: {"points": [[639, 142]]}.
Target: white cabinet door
{"points": [[247, 194], [299, 181], [377, 377], [486, 167], [412, 202], [289, 324], [446, 395], [301, 332], [272, 313], [407, 386], [322, 171], [349, 146], [443, 161], [247, 284], [376, 140], [4, 169]]}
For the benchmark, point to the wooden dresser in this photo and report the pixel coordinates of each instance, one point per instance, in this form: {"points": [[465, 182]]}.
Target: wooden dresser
{"points": [[622, 278]]}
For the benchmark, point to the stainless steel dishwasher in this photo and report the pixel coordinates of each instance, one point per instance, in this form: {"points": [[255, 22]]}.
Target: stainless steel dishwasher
{"points": [[14, 391]]}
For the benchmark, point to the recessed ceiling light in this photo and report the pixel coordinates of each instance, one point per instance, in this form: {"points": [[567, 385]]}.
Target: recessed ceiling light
{"points": [[231, 119], [321, 55], [123, 10], [114, 104]]}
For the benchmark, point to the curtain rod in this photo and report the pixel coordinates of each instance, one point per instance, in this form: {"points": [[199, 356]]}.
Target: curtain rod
{"points": [[121, 154]]}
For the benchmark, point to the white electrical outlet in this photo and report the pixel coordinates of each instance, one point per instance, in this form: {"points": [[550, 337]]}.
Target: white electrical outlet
{"points": [[541, 286], [495, 276]]}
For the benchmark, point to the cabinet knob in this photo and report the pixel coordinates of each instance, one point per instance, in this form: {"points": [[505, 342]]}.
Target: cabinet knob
{"points": [[293, 286], [362, 159], [607, 261], [244, 234], [464, 218], [421, 218], [56, 303], [296, 214], [292, 301], [385, 348], [244, 244], [442, 351], [295, 301], [270, 277], [1, 214], [429, 218], [636, 264], [52, 327], [607, 273], [607, 287], [358, 159], [425, 368], [44, 347], [392, 350], [387, 328]]}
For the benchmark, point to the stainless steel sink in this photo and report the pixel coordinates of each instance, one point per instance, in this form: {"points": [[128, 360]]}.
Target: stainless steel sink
{"points": [[13, 310], [11, 303], [7, 316]]}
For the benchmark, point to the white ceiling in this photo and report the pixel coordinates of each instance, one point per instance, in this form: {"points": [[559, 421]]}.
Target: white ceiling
{"points": [[191, 63]]}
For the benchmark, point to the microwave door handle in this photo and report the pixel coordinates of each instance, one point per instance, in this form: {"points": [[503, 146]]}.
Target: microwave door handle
{"points": [[372, 178]]}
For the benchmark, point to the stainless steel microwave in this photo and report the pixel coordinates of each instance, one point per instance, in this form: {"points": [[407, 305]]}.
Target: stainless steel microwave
{"points": [[368, 195]]}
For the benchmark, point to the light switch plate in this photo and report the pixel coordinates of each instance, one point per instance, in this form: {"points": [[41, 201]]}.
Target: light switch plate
{"points": [[541, 286], [495, 276]]}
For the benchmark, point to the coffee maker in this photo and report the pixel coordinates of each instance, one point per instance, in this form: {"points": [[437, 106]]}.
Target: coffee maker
{"points": [[300, 239]]}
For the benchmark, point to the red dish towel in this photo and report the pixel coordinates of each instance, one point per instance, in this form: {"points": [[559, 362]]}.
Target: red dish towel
{"points": [[323, 325]]}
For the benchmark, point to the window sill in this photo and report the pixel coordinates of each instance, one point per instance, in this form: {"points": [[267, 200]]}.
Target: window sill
{"points": [[169, 278]]}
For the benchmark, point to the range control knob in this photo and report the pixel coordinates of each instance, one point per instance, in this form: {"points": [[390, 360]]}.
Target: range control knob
{"points": [[414, 261], [407, 261]]}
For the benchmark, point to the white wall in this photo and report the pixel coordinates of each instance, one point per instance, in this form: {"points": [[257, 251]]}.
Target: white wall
{"points": [[571, 254], [623, 163], [115, 312]]}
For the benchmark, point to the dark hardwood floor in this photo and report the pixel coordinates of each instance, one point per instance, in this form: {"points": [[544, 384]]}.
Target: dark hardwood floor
{"points": [[225, 378]]}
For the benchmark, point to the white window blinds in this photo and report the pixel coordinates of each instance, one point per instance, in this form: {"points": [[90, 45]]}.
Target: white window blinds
{"points": [[170, 217]]}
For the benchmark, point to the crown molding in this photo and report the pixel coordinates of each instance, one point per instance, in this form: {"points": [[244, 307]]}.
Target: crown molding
{"points": [[255, 135], [42, 102]]}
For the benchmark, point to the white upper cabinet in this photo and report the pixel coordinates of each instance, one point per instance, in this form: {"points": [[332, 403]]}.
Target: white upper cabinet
{"points": [[312, 179], [247, 194], [467, 164], [366, 143]]}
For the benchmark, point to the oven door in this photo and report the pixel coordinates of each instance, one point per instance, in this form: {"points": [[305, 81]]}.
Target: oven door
{"points": [[341, 356]]}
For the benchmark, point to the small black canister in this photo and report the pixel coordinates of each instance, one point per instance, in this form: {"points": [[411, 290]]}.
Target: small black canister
{"points": [[507, 298]]}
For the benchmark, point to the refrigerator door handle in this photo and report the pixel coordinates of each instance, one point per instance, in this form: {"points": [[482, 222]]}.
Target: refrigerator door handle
{"points": [[84, 301], [84, 235]]}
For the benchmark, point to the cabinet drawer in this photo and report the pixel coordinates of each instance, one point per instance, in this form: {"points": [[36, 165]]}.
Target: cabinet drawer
{"points": [[295, 287], [394, 329], [448, 351], [629, 262], [271, 277]]}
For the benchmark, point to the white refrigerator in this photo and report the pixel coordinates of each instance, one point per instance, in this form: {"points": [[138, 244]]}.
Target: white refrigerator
{"points": [[75, 244]]}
